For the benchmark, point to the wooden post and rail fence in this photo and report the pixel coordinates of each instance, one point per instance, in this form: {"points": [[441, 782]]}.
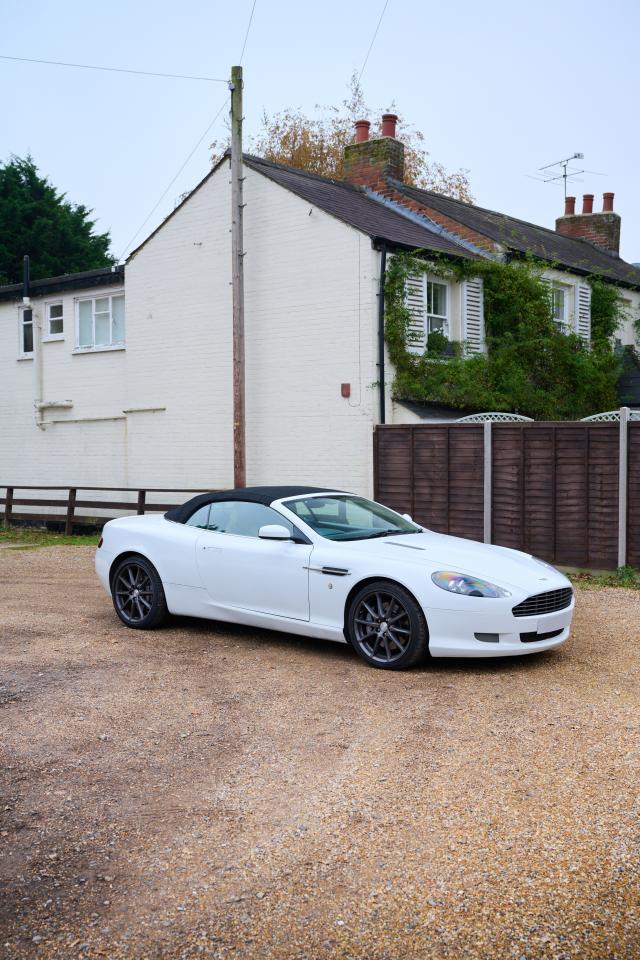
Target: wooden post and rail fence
{"points": [[68, 505]]}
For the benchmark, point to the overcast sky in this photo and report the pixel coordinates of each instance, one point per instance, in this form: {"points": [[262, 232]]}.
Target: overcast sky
{"points": [[498, 87]]}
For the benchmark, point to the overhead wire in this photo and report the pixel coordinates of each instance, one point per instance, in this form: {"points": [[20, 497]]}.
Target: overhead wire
{"points": [[171, 183], [91, 66], [166, 191], [373, 40], [246, 36]]}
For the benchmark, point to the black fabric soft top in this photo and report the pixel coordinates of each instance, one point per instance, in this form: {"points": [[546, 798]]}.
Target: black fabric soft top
{"points": [[265, 495]]}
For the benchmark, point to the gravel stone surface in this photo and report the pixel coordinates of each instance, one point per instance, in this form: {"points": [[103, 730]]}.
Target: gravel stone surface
{"points": [[223, 792]]}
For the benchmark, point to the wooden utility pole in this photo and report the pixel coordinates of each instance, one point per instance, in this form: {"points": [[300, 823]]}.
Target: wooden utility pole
{"points": [[237, 274]]}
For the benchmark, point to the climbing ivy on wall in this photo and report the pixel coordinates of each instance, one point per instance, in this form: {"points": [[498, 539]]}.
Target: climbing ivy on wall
{"points": [[530, 367]]}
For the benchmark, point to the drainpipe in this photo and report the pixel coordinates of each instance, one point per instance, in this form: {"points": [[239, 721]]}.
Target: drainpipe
{"points": [[36, 334], [383, 270]]}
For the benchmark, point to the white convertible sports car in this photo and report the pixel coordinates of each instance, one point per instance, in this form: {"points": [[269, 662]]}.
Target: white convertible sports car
{"points": [[336, 566]]}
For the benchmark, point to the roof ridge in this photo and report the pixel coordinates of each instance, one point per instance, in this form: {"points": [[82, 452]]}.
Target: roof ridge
{"points": [[253, 158], [527, 223], [475, 206]]}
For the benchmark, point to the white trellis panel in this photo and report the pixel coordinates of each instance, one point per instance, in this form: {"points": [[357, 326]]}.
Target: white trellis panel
{"points": [[495, 418]]}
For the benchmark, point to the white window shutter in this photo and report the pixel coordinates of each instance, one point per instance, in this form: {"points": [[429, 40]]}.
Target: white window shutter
{"points": [[473, 315], [583, 311], [416, 303]]}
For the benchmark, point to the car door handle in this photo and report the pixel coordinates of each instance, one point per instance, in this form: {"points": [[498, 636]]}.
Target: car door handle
{"points": [[330, 571]]}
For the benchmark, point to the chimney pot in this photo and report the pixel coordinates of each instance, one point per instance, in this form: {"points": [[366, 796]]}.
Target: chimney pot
{"points": [[362, 130], [587, 203], [607, 202], [569, 206], [389, 121]]}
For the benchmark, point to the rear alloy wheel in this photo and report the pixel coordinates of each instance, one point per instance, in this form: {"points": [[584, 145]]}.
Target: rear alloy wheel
{"points": [[137, 594], [387, 627]]}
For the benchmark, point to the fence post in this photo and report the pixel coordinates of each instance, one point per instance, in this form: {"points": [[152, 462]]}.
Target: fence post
{"points": [[622, 486], [488, 454], [71, 509], [141, 501], [8, 506]]}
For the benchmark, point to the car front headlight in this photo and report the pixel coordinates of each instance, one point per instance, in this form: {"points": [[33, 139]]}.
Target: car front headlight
{"points": [[467, 586]]}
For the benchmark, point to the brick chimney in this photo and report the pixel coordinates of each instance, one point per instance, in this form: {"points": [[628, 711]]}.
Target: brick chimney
{"points": [[367, 163], [601, 229]]}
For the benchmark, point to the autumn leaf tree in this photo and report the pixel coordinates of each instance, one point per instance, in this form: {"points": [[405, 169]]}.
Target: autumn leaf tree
{"points": [[316, 143]]}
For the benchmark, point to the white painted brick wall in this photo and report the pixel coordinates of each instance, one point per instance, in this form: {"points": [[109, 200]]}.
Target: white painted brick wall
{"points": [[311, 318], [311, 324]]}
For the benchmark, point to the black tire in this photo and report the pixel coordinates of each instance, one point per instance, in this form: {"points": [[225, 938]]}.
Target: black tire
{"points": [[137, 593], [386, 627]]}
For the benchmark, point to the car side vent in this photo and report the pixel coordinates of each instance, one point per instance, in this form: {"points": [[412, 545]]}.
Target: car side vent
{"points": [[541, 603]]}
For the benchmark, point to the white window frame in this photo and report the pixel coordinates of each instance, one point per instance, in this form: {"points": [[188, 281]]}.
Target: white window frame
{"points": [[420, 314], [567, 323], [102, 348], [47, 312], [446, 331], [22, 354]]}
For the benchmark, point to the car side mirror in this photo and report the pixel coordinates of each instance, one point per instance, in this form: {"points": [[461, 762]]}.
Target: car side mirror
{"points": [[274, 531], [407, 516]]}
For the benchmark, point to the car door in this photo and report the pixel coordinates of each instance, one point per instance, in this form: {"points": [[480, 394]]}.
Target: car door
{"points": [[240, 570]]}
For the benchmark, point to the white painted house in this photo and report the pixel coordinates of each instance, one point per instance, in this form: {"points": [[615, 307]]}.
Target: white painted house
{"points": [[123, 377]]}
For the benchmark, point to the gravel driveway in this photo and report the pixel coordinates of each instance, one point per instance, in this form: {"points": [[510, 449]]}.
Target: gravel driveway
{"points": [[227, 792]]}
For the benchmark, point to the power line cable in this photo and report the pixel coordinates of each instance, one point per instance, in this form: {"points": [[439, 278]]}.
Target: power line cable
{"points": [[141, 73], [157, 204], [247, 33], [373, 40]]}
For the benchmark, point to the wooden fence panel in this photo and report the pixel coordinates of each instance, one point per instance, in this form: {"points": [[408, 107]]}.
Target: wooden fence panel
{"points": [[430, 474], [633, 489], [507, 488], [434, 472], [602, 516], [539, 485], [465, 481], [393, 468], [572, 495], [554, 486]]}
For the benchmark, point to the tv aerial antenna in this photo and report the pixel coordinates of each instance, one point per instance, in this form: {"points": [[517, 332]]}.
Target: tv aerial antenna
{"points": [[563, 170], [560, 170]]}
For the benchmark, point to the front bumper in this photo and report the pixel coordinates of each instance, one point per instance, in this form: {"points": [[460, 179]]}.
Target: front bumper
{"points": [[452, 633], [104, 559]]}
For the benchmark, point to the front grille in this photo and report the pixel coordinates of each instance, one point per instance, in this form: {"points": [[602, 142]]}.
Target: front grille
{"points": [[541, 603]]}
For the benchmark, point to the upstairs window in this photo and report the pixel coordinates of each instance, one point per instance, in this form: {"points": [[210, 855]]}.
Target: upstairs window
{"points": [[563, 298], [437, 308], [25, 345], [100, 322], [55, 321], [559, 306], [428, 303]]}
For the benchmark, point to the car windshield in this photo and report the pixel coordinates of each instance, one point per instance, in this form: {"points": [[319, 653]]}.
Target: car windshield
{"points": [[344, 517]]}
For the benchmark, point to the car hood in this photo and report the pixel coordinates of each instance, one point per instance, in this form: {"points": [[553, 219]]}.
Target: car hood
{"points": [[439, 551]]}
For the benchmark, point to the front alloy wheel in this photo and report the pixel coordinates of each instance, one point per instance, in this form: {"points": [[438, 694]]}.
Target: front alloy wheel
{"points": [[137, 594], [387, 627]]}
